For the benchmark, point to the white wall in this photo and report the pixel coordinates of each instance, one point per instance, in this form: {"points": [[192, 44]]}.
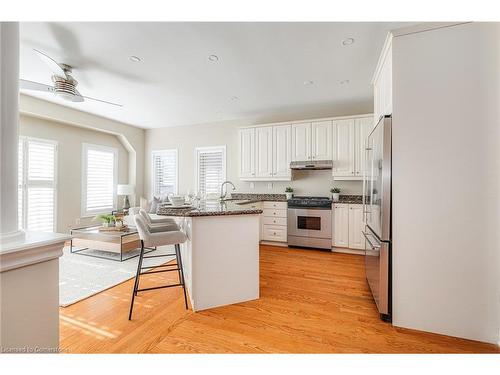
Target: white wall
{"points": [[69, 161], [131, 137], [187, 138], [446, 187]]}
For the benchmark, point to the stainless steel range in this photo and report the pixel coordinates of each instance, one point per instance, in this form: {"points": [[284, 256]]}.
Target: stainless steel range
{"points": [[310, 222]]}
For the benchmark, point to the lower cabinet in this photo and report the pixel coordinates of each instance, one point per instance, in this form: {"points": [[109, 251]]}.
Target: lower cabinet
{"points": [[274, 221], [348, 226], [356, 226]]}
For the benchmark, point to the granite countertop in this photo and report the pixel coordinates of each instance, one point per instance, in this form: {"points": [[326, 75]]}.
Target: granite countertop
{"points": [[254, 197], [210, 208], [352, 199]]}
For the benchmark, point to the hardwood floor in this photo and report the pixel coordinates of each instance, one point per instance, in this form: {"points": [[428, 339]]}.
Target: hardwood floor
{"points": [[311, 302]]}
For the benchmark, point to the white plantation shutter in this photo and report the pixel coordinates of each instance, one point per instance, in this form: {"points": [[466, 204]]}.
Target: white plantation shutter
{"points": [[100, 179], [211, 169], [164, 172], [37, 184], [20, 184]]}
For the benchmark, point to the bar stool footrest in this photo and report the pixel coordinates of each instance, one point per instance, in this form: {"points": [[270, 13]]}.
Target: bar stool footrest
{"points": [[158, 287], [159, 256]]}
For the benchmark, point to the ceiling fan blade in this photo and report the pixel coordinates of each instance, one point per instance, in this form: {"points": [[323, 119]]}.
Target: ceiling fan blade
{"points": [[52, 64], [30, 85], [103, 101]]}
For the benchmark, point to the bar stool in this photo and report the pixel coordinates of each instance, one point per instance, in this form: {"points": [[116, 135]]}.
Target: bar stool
{"points": [[158, 238], [158, 221]]}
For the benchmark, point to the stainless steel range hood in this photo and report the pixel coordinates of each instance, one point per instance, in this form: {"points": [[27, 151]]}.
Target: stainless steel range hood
{"points": [[311, 164]]}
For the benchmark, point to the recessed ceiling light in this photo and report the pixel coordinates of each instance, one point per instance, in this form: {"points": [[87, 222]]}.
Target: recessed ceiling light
{"points": [[308, 83], [135, 59], [344, 82], [348, 41], [234, 98], [213, 58]]}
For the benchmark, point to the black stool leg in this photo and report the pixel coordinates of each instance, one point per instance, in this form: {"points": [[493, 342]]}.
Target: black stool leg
{"points": [[181, 275], [136, 284]]}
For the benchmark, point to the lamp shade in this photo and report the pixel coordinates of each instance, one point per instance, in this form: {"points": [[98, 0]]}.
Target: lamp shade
{"points": [[123, 189]]}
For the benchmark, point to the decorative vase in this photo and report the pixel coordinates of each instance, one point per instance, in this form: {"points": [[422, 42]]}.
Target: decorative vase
{"points": [[105, 224], [335, 197], [289, 196]]}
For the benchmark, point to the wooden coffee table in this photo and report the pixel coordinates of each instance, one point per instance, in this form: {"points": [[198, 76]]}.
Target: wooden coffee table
{"points": [[90, 238]]}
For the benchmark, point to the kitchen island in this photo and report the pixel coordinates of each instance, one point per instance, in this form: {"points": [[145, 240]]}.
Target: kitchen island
{"points": [[221, 256]]}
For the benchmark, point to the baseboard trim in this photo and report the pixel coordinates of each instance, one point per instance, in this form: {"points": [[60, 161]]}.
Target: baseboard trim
{"points": [[347, 251], [272, 243]]}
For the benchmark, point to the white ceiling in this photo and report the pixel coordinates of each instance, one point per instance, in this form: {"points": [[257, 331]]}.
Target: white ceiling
{"points": [[264, 65]]}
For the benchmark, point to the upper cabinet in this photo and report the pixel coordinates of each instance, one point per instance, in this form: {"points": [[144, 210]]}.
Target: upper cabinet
{"points": [[343, 141], [312, 141], [301, 141], [362, 128], [349, 137], [247, 153], [321, 145], [382, 82], [266, 151], [282, 151]]}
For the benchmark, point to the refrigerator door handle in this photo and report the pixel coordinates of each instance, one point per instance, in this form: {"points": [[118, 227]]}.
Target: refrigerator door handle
{"points": [[374, 247]]}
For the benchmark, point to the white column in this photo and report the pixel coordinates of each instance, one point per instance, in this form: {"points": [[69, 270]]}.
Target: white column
{"points": [[9, 117], [29, 262]]}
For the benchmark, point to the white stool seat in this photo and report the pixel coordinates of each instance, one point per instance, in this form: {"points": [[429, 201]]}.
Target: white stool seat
{"points": [[163, 238], [149, 220]]}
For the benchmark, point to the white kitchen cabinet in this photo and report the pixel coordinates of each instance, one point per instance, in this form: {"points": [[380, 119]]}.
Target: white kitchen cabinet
{"points": [[382, 83], [348, 226], [301, 142], [349, 137], [341, 225], [264, 152], [343, 146], [356, 238], [247, 153], [362, 127], [274, 221], [282, 151], [321, 134]]}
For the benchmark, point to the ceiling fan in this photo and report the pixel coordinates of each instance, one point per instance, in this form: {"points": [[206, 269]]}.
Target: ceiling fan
{"points": [[64, 83]]}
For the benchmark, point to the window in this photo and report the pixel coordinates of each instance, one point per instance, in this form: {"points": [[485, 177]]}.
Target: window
{"points": [[37, 184], [164, 171], [99, 179], [210, 169]]}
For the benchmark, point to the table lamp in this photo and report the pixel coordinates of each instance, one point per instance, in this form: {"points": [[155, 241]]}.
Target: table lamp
{"points": [[126, 190]]}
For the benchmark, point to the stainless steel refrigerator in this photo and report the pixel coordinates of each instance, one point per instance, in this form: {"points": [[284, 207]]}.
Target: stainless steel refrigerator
{"points": [[377, 213]]}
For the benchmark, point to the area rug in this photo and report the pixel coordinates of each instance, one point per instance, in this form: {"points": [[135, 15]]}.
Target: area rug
{"points": [[82, 276]]}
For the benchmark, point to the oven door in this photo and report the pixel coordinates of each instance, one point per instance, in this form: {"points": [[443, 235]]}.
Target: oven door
{"points": [[314, 223]]}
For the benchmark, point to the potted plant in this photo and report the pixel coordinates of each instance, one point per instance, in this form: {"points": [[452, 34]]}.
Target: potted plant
{"points": [[107, 220], [335, 194], [289, 193]]}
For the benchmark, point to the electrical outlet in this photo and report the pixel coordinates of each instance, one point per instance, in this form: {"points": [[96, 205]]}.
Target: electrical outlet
{"points": [[269, 185], [252, 185]]}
